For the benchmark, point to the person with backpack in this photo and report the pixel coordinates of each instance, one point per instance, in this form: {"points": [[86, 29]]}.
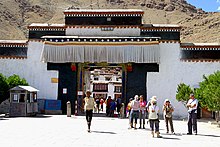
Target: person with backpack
{"points": [[153, 117]]}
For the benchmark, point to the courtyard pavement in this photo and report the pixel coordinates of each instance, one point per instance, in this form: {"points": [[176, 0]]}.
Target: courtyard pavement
{"points": [[63, 131]]}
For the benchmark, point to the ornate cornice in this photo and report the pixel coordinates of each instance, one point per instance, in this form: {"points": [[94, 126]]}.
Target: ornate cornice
{"points": [[169, 41], [13, 43], [103, 26], [46, 27], [104, 12], [100, 40], [101, 43], [12, 57], [200, 60], [35, 40], [160, 29], [201, 48]]}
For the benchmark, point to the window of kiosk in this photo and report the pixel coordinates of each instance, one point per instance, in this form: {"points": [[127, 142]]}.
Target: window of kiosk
{"points": [[35, 97], [21, 98], [14, 98], [28, 98]]}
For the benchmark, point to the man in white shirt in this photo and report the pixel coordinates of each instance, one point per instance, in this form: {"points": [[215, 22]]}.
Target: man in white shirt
{"points": [[192, 114]]}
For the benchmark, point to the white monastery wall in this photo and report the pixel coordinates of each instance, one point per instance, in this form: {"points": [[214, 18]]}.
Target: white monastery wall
{"points": [[102, 32], [172, 72], [111, 89], [34, 71]]}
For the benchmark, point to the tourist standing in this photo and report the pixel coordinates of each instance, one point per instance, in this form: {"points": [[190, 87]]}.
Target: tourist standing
{"points": [[89, 105], [112, 108], [118, 105], [97, 104], [107, 102], [101, 103], [192, 114], [135, 107], [153, 111], [142, 113], [168, 115], [148, 105]]}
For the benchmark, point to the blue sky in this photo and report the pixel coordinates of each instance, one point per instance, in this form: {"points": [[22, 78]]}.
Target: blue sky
{"points": [[206, 5]]}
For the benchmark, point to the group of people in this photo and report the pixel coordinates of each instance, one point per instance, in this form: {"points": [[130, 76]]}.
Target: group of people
{"points": [[138, 108], [99, 104], [112, 105]]}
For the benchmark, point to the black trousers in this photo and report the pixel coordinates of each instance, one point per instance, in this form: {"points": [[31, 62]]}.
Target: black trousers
{"points": [[88, 115], [192, 122]]}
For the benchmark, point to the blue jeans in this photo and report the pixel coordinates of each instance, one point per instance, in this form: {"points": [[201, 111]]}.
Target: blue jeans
{"points": [[154, 123], [134, 115]]}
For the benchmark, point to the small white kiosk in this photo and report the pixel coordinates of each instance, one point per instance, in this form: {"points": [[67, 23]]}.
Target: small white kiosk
{"points": [[23, 101]]}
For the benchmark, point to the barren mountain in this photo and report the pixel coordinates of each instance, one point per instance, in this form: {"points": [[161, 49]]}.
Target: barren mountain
{"points": [[197, 25]]}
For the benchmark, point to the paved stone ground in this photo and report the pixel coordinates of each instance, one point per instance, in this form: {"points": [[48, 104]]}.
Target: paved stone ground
{"points": [[62, 131]]}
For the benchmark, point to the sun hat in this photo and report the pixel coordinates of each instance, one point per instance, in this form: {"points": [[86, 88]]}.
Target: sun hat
{"points": [[131, 99], [154, 97], [153, 100], [191, 94]]}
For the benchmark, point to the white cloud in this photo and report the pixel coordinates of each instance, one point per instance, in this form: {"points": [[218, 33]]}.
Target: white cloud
{"points": [[218, 8], [218, 1]]}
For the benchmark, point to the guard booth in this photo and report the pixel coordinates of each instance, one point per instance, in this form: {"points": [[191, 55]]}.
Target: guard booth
{"points": [[23, 101]]}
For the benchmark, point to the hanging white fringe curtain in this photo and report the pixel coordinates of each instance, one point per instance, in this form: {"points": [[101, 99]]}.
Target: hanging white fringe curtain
{"points": [[100, 53]]}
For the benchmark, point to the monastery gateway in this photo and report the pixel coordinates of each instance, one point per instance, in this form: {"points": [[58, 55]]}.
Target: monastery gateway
{"points": [[55, 57]]}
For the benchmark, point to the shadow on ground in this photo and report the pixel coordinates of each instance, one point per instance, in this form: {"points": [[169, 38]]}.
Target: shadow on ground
{"points": [[104, 132], [208, 135]]}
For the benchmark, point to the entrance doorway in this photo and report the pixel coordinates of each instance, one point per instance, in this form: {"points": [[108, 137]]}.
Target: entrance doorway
{"points": [[71, 83], [103, 80]]}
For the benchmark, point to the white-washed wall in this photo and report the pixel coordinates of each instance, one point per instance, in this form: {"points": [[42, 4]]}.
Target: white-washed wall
{"points": [[100, 32], [172, 71], [111, 90], [34, 71]]}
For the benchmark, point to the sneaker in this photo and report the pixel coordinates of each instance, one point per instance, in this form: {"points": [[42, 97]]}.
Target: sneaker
{"points": [[189, 133], [88, 130], [173, 133]]}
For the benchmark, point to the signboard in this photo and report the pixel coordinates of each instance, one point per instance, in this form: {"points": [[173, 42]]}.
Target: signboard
{"points": [[80, 93], [54, 80], [64, 90]]}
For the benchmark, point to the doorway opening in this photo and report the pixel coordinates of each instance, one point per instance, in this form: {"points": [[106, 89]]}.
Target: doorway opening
{"points": [[105, 82]]}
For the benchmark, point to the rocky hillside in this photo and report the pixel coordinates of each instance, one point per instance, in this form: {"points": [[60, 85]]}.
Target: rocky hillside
{"points": [[198, 25]]}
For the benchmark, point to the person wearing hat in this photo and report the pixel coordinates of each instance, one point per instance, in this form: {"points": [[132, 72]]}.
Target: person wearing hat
{"points": [[167, 111], [192, 105], [153, 117], [148, 104], [88, 107]]}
